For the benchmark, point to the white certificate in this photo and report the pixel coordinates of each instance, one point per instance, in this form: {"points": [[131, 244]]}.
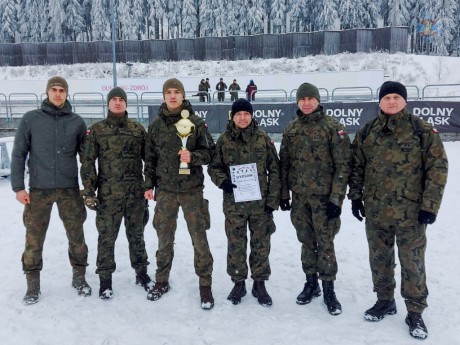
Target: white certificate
{"points": [[247, 181]]}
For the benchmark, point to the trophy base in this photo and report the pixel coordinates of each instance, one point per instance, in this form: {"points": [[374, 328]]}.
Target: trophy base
{"points": [[184, 171]]}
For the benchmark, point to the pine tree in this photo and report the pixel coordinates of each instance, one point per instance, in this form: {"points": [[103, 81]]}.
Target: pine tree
{"points": [[398, 12], [278, 16], [74, 23], [9, 20], [100, 21], [56, 18], [189, 19], [325, 15]]}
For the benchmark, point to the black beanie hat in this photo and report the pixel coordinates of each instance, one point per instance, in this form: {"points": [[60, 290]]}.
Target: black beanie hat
{"points": [[57, 81], [241, 105], [173, 83], [307, 90], [392, 87], [117, 92]]}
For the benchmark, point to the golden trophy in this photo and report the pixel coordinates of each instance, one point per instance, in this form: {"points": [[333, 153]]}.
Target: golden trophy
{"points": [[184, 129]]}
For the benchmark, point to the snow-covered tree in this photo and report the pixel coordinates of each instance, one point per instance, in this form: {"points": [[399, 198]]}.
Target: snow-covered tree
{"points": [[8, 21], [189, 19], [256, 16], [173, 14], [278, 16], [100, 19], [234, 23], [56, 19], [325, 15], [353, 14], [74, 22], [139, 16], [125, 18], [30, 20], [156, 13]]}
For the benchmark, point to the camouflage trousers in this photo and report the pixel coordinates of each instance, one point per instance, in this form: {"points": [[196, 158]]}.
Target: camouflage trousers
{"points": [[196, 214], [411, 242], [109, 216], [316, 233], [36, 218], [261, 227]]}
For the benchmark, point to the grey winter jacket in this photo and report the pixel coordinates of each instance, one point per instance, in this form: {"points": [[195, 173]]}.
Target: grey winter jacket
{"points": [[51, 137]]}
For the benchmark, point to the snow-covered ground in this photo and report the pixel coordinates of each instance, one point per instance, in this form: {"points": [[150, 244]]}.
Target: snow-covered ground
{"points": [[61, 317]]}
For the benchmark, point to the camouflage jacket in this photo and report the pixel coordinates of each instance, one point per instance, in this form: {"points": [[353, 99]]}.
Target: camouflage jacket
{"points": [[315, 157], [163, 144], [50, 138], [118, 146], [251, 145], [395, 172]]}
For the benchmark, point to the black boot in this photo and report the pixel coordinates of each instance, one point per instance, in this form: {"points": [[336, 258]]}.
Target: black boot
{"points": [[207, 300], [333, 305], [259, 291], [79, 282], [310, 290], [143, 279], [380, 309], [105, 289], [238, 291], [158, 290], [417, 327], [33, 288]]}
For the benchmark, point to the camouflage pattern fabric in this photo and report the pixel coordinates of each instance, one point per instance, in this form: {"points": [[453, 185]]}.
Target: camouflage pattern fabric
{"points": [[315, 157], [390, 175], [163, 144], [411, 242], [315, 165], [117, 144], [36, 220], [397, 174], [235, 147], [316, 234], [196, 214]]}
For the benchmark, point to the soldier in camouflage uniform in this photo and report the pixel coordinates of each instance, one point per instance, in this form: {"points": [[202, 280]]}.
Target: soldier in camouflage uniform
{"points": [[244, 143], [314, 156], [399, 170], [50, 138], [174, 190], [117, 144]]}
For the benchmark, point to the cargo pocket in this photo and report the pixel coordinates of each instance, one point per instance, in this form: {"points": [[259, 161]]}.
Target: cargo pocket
{"points": [[271, 227], [206, 215]]}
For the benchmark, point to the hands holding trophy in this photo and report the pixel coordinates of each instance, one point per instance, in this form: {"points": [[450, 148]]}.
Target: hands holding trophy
{"points": [[184, 129]]}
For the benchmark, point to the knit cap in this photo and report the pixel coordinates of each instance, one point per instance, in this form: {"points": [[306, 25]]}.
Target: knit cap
{"points": [[173, 83], [57, 81], [307, 90], [392, 87], [117, 92], [241, 105]]}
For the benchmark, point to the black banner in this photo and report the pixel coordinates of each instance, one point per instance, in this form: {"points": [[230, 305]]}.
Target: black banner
{"points": [[274, 117]]}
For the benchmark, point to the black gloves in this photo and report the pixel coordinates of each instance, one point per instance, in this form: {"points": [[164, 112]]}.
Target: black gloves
{"points": [[285, 205], [91, 202], [332, 210], [227, 186], [268, 210], [357, 208], [425, 217]]}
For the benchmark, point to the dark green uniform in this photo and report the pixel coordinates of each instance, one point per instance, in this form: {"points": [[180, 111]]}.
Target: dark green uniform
{"points": [[244, 146], [314, 156], [174, 190], [118, 146], [397, 173]]}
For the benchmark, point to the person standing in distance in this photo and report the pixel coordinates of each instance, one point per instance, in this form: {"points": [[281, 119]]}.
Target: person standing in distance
{"points": [[244, 143], [315, 164], [174, 186], [117, 146], [399, 171], [50, 138]]}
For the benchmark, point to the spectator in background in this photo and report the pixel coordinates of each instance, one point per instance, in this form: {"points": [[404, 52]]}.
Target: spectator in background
{"points": [[251, 90], [202, 90], [234, 88], [221, 87], [208, 89]]}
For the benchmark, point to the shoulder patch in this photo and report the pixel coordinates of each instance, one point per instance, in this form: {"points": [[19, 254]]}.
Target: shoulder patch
{"points": [[435, 131], [88, 132], [341, 133]]}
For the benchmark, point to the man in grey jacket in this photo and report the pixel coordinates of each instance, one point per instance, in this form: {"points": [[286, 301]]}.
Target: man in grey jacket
{"points": [[50, 138]]}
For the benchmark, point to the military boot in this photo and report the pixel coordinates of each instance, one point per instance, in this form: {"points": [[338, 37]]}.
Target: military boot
{"points": [[417, 327], [79, 282], [238, 291], [207, 300], [259, 292], [105, 288], [380, 309], [33, 288], [311, 289], [143, 279], [332, 304], [158, 290]]}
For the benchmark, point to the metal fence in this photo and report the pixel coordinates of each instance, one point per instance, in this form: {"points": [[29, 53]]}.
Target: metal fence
{"points": [[93, 105], [264, 46]]}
